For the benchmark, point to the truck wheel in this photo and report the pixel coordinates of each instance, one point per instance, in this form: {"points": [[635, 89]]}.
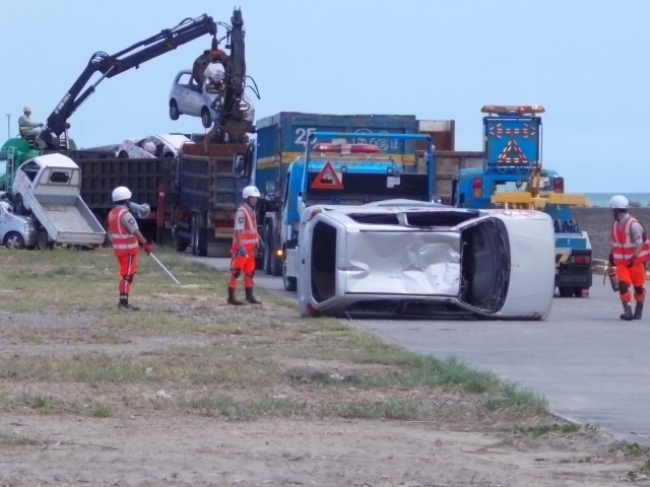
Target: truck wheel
{"points": [[194, 232], [577, 292], [206, 118], [42, 240], [181, 246], [14, 241], [268, 252], [566, 292], [276, 266]]}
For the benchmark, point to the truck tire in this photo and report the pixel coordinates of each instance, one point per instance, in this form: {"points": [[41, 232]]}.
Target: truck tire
{"points": [[268, 252], [43, 240], [194, 232], [566, 292]]}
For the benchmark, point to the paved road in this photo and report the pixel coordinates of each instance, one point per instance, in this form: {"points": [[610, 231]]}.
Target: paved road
{"points": [[592, 367]]}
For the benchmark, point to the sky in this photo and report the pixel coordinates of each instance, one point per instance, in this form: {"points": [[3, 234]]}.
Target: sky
{"points": [[584, 61]]}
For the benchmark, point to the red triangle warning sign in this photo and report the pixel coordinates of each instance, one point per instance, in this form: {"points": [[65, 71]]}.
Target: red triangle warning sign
{"points": [[327, 178]]}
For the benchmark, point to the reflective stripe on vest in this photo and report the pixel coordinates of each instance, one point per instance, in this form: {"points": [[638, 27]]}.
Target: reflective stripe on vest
{"points": [[622, 245], [248, 236], [123, 242]]}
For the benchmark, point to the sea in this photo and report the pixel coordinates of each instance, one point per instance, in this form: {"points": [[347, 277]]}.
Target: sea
{"points": [[602, 199]]}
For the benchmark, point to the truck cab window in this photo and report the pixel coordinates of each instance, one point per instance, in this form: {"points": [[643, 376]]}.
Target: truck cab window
{"points": [[60, 177], [31, 170]]}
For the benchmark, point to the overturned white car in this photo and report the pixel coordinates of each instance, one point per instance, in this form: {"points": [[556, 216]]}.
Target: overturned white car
{"points": [[425, 260]]}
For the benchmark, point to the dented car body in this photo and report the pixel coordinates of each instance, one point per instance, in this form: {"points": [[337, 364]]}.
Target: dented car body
{"points": [[423, 259]]}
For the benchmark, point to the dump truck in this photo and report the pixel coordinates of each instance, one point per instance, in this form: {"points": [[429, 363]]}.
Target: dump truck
{"points": [[513, 177], [48, 188]]}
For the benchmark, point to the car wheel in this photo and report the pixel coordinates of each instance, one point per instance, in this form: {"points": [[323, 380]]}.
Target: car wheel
{"points": [[14, 240], [169, 154], [123, 155], [206, 118], [289, 283], [173, 110]]}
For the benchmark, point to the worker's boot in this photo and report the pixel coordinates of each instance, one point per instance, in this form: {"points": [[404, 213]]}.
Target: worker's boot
{"points": [[638, 311], [627, 312], [124, 303], [250, 298], [231, 298]]}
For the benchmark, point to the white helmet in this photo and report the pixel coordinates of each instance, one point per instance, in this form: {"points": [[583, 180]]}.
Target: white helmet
{"points": [[619, 202], [121, 193], [250, 191]]}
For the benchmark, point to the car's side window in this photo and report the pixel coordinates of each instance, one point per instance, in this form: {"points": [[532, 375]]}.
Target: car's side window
{"points": [[185, 79]]}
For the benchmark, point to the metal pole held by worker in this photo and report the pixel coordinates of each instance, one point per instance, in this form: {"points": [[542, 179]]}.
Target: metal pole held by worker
{"points": [[164, 268]]}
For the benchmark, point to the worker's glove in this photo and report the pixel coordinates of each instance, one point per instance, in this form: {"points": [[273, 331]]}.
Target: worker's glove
{"points": [[262, 244], [630, 262], [611, 259], [147, 247], [241, 251]]}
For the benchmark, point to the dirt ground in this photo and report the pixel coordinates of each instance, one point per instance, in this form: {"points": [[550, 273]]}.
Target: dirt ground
{"points": [[139, 434]]}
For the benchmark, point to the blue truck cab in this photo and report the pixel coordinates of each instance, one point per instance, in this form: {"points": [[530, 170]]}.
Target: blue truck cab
{"points": [[339, 173], [283, 138], [512, 176]]}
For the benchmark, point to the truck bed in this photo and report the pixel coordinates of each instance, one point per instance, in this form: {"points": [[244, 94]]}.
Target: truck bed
{"points": [[68, 220]]}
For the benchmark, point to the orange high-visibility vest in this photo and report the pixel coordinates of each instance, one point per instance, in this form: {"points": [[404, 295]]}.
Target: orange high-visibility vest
{"points": [[249, 237], [123, 242], [622, 245]]}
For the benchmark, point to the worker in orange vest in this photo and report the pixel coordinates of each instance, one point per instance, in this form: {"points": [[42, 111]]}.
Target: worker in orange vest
{"points": [[245, 242], [126, 239], [630, 252]]}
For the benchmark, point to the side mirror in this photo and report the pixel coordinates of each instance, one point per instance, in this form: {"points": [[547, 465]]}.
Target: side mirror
{"points": [[270, 188], [239, 164]]}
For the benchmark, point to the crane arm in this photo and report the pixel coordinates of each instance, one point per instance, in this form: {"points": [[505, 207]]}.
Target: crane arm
{"points": [[112, 65]]}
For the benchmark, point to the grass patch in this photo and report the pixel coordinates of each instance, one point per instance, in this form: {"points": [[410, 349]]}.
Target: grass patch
{"points": [[15, 440], [236, 363], [631, 449], [537, 431]]}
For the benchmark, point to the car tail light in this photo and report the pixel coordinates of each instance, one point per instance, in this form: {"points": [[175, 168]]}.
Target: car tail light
{"points": [[311, 311], [477, 187], [558, 185]]}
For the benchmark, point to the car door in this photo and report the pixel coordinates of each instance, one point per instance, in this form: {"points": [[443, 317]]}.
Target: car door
{"points": [[183, 94]]}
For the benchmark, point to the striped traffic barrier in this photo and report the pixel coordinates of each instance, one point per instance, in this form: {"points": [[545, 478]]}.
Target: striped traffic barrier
{"points": [[600, 266]]}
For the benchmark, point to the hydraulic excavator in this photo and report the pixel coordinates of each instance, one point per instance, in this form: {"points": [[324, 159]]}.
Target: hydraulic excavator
{"points": [[133, 56]]}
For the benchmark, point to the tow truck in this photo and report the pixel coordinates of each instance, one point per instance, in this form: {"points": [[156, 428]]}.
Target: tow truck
{"points": [[513, 177]]}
